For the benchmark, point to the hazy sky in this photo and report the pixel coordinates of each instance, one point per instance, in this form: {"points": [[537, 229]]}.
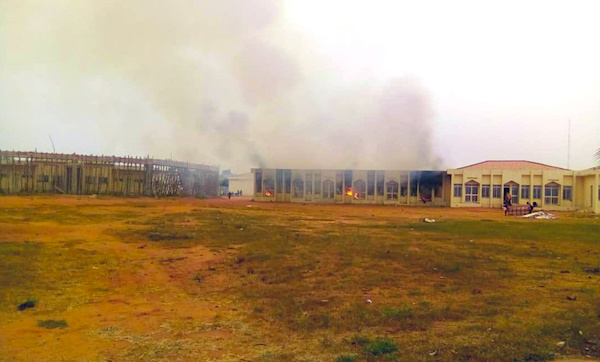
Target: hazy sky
{"points": [[303, 83]]}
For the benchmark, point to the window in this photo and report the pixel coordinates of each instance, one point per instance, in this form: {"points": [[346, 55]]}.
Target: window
{"points": [[102, 180], [485, 191], [403, 190], [269, 187], [497, 191], [348, 181], [413, 189], [370, 183], [287, 178], [359, 189], [258, 181], [43, 178], [551, 194], [90, 180], [537, 192], [298, 186], [380, 184], [317, 184], [525, 192], [279, 181], [567, 193], [598, 193], [457, 190], [392, 190], [471, 191], [338, 184], [308, 179], [328, 189]]}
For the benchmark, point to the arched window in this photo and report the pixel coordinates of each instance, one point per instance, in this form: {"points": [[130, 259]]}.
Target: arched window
{"points": [[471, 191], [359, 189], [328, 189], [392, 190], [298, 188], [269, 187], [551, 193]]}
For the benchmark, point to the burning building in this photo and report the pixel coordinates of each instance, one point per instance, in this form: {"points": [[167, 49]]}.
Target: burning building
{"points": [[484, 184], [352, 186]]}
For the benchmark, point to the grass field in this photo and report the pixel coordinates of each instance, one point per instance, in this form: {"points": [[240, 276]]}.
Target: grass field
{"points": [[108, 279]]}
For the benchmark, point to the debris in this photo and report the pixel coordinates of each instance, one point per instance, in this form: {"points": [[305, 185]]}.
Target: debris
{"points": [[560, 344], [564, 272], [571, 298], [592, 270], [30, 303], [249, 205], [433, 353], [369, 301], [428, 220], [142, 247], [476, 291], [541, 215], [93, 196]]}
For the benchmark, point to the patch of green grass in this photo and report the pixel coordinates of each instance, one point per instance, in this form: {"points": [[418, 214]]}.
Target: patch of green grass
{"points": [[346, 358], [52, 323], [381, 346]]}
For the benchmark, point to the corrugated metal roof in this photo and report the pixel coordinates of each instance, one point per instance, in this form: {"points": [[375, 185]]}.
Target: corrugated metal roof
{"points": [[511, 165]]}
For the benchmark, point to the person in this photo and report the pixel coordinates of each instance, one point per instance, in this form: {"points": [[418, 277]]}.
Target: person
{"points": [[507, 202], [229, 195], [530, 207]]}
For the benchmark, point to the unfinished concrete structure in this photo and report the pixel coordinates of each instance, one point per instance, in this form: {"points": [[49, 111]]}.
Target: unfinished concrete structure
{"points": [[36, 172], [352, 186]]}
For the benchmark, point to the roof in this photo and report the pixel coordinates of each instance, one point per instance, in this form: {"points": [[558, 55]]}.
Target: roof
{"points": [[241, 176], [511, 165]]}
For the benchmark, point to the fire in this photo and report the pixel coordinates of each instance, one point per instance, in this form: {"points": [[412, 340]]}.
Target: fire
{"points": [[357, 195], [349, 192], [268, 193]]}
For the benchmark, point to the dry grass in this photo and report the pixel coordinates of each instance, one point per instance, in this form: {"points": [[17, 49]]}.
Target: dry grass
{"points": [[189, 279]]}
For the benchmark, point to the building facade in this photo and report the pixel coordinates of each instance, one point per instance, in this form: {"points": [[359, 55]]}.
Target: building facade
{"points": [[480, 185], [36, 172], [352, 186], [553, 188]]}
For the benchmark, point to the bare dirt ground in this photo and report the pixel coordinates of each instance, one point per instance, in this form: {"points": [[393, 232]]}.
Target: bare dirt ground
{"points": [[234, 280]]}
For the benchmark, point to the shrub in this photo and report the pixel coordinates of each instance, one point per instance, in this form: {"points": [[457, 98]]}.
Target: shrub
{"points": [[53, 323], [381, 346]]}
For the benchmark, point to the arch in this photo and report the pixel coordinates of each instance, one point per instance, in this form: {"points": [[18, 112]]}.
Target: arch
{"points": [[472, 191], [328, 189], [359, 189], [269, 187], [298, 188], [391, 188]]}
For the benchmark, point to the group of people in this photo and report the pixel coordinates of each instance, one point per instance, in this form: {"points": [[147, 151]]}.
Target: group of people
{"points": [[237, 193]]}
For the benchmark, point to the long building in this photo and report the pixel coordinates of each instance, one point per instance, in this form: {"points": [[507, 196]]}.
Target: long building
{"points": [[36, 172], [480, 185]]}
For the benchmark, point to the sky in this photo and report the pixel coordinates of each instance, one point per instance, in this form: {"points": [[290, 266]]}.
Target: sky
{"points": [[303, 83]]}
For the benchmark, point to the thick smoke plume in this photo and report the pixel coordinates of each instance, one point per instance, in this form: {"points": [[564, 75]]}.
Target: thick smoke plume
{"points": [[224, 81]]}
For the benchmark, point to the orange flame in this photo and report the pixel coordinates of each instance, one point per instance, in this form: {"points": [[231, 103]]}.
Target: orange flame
{"points": [[268, 193], [357, 195], [349, 192]]}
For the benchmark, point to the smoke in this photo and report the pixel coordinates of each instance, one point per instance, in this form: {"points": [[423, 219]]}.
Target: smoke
{"points": [[206, 81]]}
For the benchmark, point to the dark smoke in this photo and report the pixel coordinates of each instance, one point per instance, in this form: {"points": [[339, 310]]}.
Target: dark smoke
{"points": [[228, 89]]}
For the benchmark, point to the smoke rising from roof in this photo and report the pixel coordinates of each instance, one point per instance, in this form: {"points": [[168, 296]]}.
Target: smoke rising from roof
{"points": [[224, 82]]}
